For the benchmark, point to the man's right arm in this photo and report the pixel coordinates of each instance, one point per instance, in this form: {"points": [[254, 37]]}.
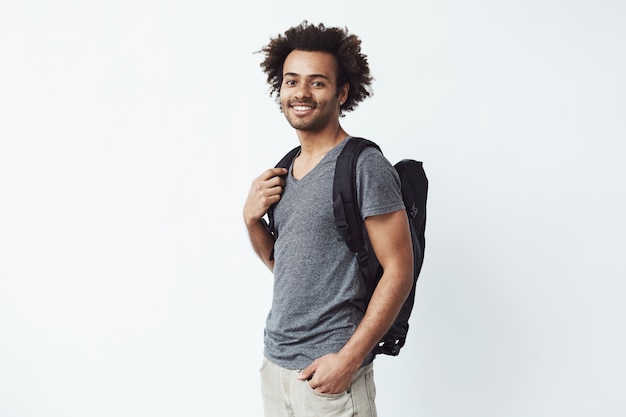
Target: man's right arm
{"points": [[265, 190]]}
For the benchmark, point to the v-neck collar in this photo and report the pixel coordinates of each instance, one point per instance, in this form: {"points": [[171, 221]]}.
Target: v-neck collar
{"points": [[332, 153]]}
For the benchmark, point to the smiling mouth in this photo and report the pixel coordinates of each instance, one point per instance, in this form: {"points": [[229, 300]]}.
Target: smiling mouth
{"points": [[302, 107]]}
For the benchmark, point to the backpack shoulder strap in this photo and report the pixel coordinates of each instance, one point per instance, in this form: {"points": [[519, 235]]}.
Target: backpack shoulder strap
{"points": [[285, 162], [288, 159], [348, 221]]}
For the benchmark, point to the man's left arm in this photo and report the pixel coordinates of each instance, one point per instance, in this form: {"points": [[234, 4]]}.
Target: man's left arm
{"points": [[391, 241]]}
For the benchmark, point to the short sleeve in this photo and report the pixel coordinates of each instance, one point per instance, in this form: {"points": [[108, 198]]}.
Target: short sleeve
{"points": [[378, 185]]}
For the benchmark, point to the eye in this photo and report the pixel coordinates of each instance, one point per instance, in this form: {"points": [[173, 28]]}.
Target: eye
{"points": [[290, 82], [317, 84]]}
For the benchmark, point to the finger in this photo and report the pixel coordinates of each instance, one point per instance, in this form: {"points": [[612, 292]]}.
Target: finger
{"points": [[274, 182], [268, 188], [272, 172], [272, 193], [307, 373]]}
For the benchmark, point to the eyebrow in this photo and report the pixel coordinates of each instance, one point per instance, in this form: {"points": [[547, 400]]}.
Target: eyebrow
{"points": [[293, 74]]}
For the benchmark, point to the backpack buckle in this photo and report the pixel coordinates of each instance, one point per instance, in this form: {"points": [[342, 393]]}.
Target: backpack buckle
{"points": [[389, 347]]}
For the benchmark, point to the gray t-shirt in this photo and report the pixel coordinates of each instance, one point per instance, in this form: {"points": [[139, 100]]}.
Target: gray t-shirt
{"points": [[319, 295]]}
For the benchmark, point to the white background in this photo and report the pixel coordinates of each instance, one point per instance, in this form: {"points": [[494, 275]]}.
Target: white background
{"points": [[131, 130]]}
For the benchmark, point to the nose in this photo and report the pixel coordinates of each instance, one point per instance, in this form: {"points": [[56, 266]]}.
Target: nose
{"points": [[302, 91]]}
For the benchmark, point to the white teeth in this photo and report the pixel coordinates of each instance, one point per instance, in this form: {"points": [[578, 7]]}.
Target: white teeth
{"points": [[302, 108]]}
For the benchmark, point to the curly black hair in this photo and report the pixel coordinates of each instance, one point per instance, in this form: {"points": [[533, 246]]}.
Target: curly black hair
{"points": [[352, 64]]}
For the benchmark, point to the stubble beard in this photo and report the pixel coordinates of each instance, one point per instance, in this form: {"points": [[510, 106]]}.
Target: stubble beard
{"points": [[312, 123]]}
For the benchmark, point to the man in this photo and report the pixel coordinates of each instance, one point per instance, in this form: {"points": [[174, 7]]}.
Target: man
{"points": [[321, 330]]}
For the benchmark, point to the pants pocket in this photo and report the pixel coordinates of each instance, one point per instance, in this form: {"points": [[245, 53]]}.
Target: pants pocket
{"points": [[264, 364]]}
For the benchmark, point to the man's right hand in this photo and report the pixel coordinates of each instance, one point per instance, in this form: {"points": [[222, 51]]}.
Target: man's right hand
{"points": [[265, 190]]}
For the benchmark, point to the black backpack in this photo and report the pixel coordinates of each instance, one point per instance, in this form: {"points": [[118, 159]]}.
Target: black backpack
{"points": [[350, 225]]}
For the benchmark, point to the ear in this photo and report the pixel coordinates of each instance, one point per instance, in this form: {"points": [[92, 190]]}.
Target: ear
{"points": [[343, 93]]}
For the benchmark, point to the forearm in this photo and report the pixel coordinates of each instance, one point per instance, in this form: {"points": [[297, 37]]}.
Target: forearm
{"points": [[262, 241], [391, 292]]}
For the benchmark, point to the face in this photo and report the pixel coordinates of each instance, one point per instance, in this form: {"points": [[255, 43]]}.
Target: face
{"points": [[309, 95]]}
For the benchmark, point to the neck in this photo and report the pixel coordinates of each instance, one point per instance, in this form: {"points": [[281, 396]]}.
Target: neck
{"points": [[320, 142]]}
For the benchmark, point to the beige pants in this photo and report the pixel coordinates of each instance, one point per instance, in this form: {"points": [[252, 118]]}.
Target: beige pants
{"points": [[286, 396]]}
